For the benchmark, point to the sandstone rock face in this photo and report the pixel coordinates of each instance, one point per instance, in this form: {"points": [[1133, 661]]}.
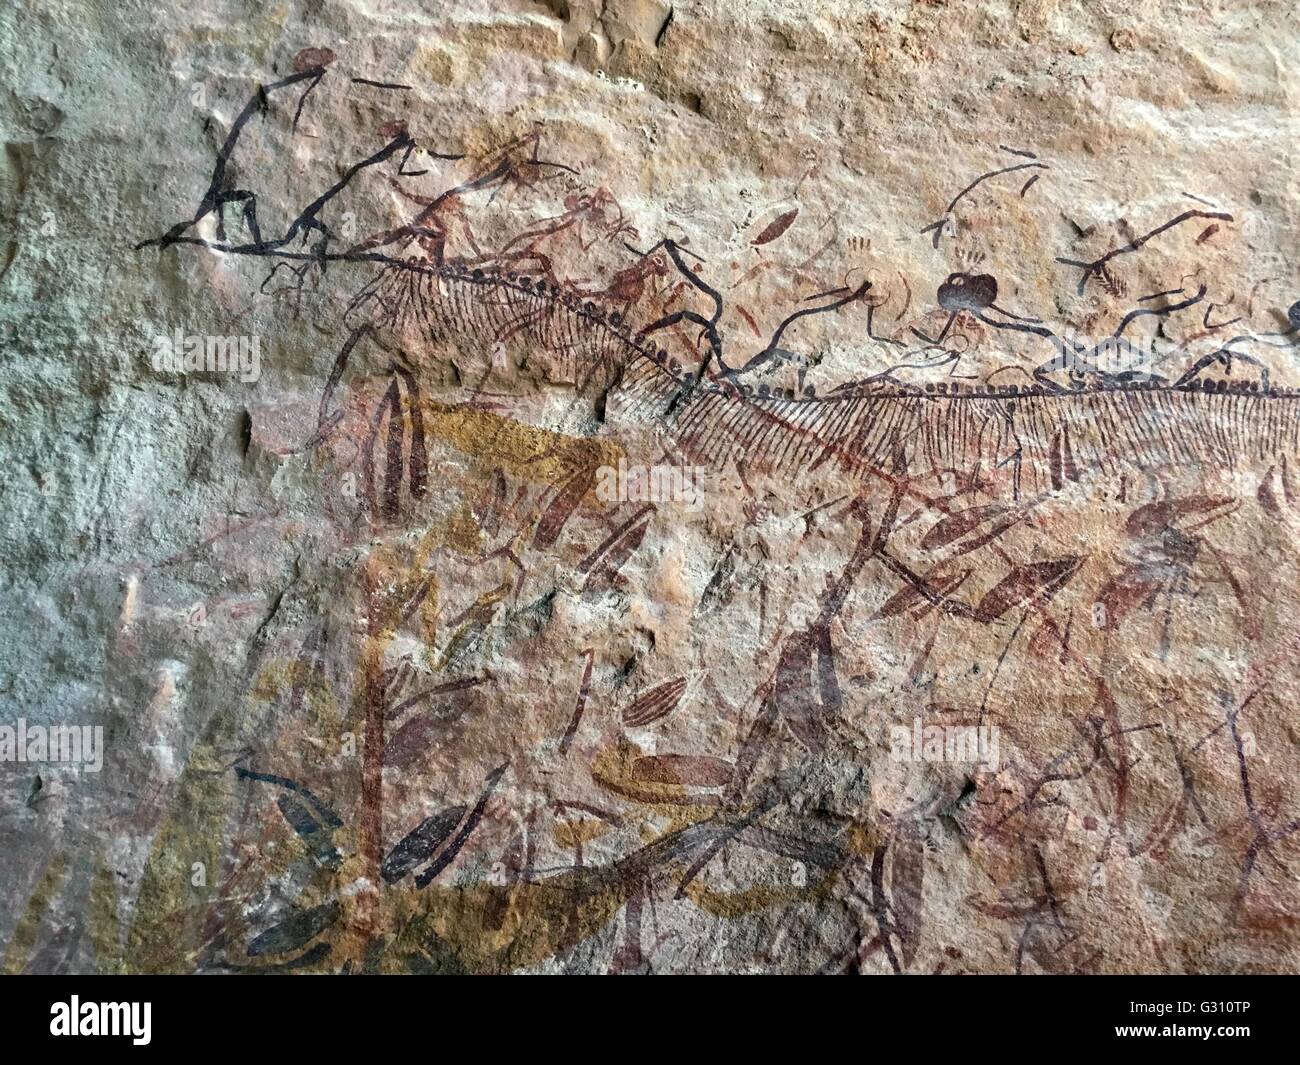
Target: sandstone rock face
{"points": [[646, 487]]}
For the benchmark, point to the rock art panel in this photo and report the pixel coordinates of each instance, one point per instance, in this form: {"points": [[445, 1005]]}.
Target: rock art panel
{"points": [[637, 488]]}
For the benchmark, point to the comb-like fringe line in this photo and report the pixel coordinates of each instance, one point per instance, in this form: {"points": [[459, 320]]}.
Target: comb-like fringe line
{"points": [[1048, 437]]}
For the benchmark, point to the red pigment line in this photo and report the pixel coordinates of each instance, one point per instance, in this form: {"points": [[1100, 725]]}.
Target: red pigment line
{"points": [[582, 702]]}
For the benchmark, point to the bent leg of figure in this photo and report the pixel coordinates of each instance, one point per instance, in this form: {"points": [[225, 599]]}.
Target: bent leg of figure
{"points": [[1159, 312], [943, 333], [708, 329], [871, 317], [249, 201]]}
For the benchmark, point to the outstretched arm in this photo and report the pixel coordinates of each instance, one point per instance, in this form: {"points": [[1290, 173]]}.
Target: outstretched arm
{"points": [[773, 345]]}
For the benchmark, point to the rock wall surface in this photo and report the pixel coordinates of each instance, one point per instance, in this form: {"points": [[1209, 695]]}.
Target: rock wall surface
{"points": [[647, 487]]}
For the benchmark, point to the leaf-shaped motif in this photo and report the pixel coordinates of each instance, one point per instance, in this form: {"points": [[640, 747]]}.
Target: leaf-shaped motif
{"points": [[421, 842], [566, 501], [953, 527], [1023, 583], [906, 880], [910, 595], [299, 817], [1156, 517], [776, 227], [295, 931], [411, 740], [447, 854], [699, 771], [658, 702], [796, 689], [304, 823]]}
